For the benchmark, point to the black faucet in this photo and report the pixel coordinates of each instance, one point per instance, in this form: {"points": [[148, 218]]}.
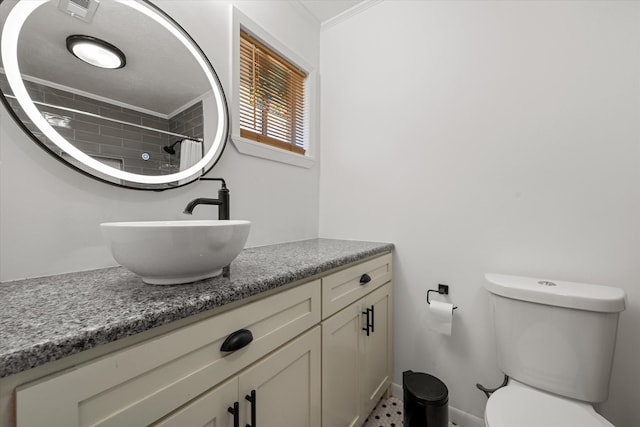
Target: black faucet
{"points": [[222, 201], [223, 209]]}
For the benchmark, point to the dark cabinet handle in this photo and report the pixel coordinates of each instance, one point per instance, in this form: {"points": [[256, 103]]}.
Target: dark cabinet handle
{"points": [[252, 398], [364, 279], [237, 340], [235, 410], [366, 313], [369, 312]]}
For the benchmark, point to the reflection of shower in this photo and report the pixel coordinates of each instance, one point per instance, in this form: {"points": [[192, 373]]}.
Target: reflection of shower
{"points": [[169, 148]]}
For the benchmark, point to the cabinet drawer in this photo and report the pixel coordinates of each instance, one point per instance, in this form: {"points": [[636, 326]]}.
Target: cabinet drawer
{"points": [[138, 385], [344, 287]]}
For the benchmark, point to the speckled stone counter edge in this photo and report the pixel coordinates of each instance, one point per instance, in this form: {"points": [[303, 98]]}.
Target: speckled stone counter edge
{"points": [[255, 271]]}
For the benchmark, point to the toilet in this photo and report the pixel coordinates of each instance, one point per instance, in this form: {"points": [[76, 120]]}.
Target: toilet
{"points": [[555, 340]]}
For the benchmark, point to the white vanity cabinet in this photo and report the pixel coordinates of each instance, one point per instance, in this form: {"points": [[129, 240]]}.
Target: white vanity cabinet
{"points": [[140, 385], [356, 341], [315, 359]]}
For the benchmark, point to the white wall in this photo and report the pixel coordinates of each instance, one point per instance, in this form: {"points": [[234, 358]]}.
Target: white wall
{"points": [[50, 215], [487, 137]]}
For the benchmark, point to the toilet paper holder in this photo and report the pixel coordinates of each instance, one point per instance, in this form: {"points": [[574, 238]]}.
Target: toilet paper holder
{"points": [[442, 290]]}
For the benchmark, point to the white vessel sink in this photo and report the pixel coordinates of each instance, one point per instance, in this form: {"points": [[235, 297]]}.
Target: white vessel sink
{"points": [[173, 252]]}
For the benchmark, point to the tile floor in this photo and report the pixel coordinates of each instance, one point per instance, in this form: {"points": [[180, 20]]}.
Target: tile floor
{"points": [[388, 413]]}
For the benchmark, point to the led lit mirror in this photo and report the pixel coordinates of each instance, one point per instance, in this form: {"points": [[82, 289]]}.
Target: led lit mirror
{"points": [[114, 88]]}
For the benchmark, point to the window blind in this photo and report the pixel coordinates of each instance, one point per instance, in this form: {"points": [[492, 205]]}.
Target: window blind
{"points": [[272, 107]]}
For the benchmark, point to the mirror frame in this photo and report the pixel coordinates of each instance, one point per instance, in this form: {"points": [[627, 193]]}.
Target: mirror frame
{"points": [[9, 41]]}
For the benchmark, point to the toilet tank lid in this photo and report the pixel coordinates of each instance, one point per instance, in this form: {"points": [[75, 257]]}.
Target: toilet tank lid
{"points": [[559, 293]]}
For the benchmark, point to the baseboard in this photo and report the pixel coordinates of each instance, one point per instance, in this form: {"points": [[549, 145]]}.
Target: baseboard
{"points": [[456, 416], [464, 419], [396, 390]]}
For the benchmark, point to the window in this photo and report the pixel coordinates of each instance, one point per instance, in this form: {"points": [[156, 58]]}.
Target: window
{"points": [[274, 95], [272, 108]]}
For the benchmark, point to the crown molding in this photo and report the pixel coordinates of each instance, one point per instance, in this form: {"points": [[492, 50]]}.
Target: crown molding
{"points": [[349, 13], [306, 13]]}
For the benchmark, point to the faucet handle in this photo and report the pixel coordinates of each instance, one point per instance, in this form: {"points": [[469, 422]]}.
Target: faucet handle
{"points": [[224, 184]]}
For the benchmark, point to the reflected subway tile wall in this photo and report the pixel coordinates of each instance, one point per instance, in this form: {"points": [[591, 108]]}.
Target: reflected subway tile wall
{"points": [[189, 121], [109, 141]]}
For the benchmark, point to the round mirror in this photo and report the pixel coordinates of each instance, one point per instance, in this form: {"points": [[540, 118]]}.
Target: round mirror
{"points": [[114, 88]]}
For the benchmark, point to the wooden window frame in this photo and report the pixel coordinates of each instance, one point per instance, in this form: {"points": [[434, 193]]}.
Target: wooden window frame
{"points": [[249, 147], [293, 96]]}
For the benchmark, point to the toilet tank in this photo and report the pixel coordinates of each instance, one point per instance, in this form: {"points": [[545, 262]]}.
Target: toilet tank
{"points": [[557, 336]]}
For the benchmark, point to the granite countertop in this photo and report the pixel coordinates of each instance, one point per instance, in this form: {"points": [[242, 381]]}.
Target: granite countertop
{"points": [[48, 318]]}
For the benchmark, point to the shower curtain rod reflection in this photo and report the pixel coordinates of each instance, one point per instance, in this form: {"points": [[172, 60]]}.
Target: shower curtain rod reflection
{"points": [[73, 110]]}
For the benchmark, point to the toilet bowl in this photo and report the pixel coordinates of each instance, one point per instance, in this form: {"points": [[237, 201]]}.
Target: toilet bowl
{"points": [[518, 405]]}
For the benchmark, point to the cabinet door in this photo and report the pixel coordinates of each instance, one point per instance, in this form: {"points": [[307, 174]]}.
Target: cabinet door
{"points": [[286, 385], [377, 349], [341, 365], [211, 409]]}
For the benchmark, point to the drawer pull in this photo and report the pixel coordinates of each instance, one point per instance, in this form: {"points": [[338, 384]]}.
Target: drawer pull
{"points": [[236, 414], [237, 340], [364, 279]]}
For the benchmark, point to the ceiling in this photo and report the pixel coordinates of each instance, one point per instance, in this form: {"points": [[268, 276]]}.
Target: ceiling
{"points": [[161, 75], [325, 10]]}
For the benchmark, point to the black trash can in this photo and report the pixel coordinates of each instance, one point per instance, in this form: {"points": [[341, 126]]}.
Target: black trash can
{"points": [[426, 400]]}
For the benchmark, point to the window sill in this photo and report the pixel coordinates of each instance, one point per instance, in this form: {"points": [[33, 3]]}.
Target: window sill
{"points": [[256, 149]]}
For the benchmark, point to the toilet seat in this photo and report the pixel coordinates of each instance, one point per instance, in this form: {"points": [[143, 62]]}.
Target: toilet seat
{"points": [[522, 406]]}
